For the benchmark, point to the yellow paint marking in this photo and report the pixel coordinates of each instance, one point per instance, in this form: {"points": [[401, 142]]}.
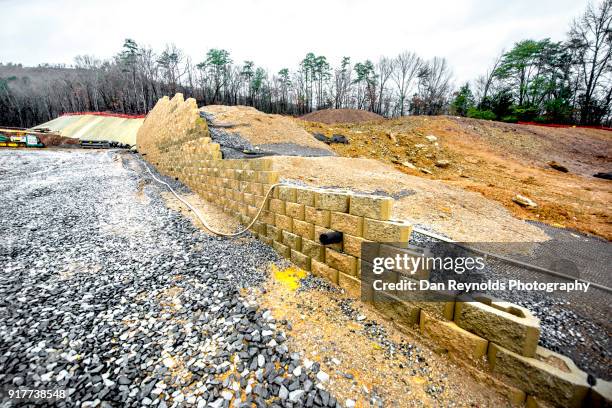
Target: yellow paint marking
{"points": [[289, 277]]}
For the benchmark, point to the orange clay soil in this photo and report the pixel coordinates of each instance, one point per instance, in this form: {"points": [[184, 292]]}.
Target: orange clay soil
{"points": [[330, 116], [497, 160]]}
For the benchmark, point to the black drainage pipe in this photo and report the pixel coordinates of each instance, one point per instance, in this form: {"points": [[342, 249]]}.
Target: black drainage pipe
{"points": [[332, 237]]}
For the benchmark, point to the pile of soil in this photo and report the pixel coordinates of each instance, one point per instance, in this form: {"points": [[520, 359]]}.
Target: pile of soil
{"points": [[331, 116], [461, 215], [497, 160], [57, 140], [245, 128]]}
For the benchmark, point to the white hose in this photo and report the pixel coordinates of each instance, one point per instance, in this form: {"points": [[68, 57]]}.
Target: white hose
{"points": [[202, 220]]}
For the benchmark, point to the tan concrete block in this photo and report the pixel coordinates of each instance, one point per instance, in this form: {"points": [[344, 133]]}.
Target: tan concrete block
{"points": [[322, 270], [350, 284], [313, 249], [293, 241], [248, 198], [258, 228], [257, 201], [378, 208], [305, 196], [440, 310], [342, 262], [265, 240], [249, 175], [549, 376], [284, 222], [286, 193], [252, 211], [303, 228], [331, 200], [349, 224], [267, 177], [294, 210], [390, 251], [274, 233], [277, 206], [282, 250], [318, 217], [261, 164], [453, 338], [386, 231], [300, 260], [267, 217], [403, 313], [509, 325], [256, 188], [352, 245]]}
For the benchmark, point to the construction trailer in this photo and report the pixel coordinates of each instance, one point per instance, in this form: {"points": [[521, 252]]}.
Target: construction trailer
{"points": [[11, 137]]}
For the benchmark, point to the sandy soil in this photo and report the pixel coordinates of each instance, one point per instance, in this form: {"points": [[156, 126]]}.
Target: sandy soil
{"points": [[498, 161], [330, 116], [459, 214], [261, 128], [213, 215], [368, 357]]}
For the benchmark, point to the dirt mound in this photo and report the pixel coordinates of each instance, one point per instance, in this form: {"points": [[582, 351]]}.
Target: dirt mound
{"points": [[56, 140], [246, 128], [459, 214], [497, 160], [331, 116]]}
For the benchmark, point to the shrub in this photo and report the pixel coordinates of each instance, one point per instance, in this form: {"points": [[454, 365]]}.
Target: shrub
{"points": [[480, 114]]}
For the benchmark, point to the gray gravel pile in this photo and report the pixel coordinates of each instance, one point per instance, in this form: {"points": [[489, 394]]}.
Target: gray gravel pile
{"points": [[110, 295]]}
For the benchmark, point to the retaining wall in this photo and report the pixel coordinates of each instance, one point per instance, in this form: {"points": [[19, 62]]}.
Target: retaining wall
{"points": [[483, 330]]}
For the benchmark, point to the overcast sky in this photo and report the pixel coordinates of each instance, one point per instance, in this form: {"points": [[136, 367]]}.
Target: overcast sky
{"points": [[278, 33]]}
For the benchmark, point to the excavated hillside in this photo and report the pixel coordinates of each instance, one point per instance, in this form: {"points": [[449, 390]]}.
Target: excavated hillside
{"points": [[331, 116], [496, 160], [448, 209]]}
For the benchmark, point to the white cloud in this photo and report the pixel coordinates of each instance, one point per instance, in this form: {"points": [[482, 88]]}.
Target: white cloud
{"points": [[277, 33]]}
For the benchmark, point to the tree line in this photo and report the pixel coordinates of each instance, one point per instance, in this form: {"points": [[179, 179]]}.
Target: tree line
{"points": [[563, 82], [568, 81]]}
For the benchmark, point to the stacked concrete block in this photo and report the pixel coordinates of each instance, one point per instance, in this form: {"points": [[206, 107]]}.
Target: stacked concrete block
{"points": [[503, 323], [452, 337], [548, 376]]}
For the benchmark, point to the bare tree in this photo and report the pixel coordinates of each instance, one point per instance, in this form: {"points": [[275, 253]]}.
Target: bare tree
{"points": [[384, 69], [406, 67], [591, 34], [434, 85]]}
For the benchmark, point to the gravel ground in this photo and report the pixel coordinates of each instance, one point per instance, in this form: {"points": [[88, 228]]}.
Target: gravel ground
{"points": [[108, 294]]}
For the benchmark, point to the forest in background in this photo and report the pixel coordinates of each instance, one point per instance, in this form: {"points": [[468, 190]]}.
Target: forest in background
{"points": [[568, 81]]}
